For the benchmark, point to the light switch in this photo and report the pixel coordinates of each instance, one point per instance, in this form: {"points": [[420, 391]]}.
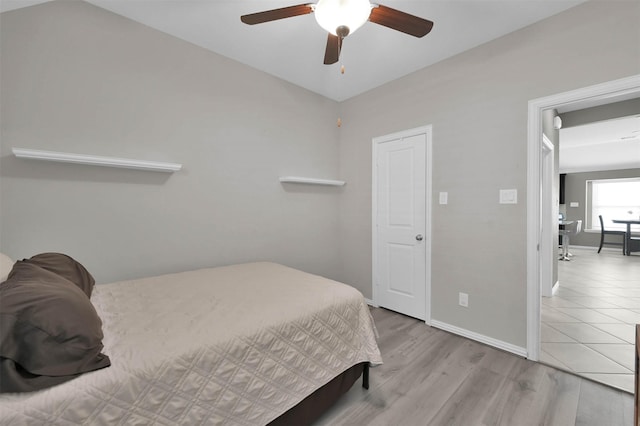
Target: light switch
{"points": [[443, 197], [574, 204], [508, 196]]}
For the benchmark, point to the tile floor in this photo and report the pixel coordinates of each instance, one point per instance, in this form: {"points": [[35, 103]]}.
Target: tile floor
{"points": [[588, 326]]}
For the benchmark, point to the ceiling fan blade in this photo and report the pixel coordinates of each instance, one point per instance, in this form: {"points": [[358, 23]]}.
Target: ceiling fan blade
{"points": [[400, 21], [332, 52], [275, 14]]}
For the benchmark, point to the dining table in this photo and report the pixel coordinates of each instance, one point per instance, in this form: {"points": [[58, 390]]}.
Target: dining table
{"points": [[627, 236]]}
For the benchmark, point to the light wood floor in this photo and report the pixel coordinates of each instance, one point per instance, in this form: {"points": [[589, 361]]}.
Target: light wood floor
{"points": [[432, 377]]}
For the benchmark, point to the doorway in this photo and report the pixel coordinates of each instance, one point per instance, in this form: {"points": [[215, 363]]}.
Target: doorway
{"points": [[600, 94], [401, 222]]}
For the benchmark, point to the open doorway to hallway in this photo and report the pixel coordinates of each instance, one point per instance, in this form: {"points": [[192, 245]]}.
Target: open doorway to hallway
{"points": [[542, 313], [587, 324]]}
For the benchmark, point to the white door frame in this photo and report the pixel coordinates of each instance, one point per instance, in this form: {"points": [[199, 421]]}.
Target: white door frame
{"points": [[427, 131], [548, 210], [600, 94]]}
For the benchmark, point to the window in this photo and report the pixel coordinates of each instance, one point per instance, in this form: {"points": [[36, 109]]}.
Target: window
{"points": [[613, 199]]}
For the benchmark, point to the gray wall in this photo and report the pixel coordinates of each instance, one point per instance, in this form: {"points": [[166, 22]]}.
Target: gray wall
{"points": [[600, 113], [76, 78], [575, 190], [477, 103]]}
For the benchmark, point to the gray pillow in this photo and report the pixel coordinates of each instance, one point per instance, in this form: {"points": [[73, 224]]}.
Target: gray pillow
{"points": [[67, 267], [49, 330]]}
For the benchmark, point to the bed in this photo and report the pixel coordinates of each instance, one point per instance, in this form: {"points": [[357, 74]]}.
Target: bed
{"points": [[247, 344]]}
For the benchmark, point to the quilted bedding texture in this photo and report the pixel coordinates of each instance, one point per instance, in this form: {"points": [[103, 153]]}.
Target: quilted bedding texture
{"points": [[235, 345]]}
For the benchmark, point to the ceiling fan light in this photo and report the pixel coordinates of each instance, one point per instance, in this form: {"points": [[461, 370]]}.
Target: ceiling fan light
{"points": [[332, 14]]}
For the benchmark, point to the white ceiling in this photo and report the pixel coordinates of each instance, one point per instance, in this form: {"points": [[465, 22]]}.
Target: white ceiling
{"points": [[603, 145], [293, 48]]}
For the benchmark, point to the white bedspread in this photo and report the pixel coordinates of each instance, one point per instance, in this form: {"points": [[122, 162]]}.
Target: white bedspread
{"points": [[235, 345]]}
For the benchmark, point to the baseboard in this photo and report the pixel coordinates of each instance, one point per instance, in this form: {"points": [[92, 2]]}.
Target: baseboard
{"points": [[517, 350], [370, 303], [595, 248]]}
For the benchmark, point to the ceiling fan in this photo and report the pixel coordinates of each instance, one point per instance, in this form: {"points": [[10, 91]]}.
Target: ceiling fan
{"points": [[343, 17]]}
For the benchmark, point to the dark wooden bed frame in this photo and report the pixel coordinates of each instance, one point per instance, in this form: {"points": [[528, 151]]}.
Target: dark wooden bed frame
{"points": [[312, 407]]}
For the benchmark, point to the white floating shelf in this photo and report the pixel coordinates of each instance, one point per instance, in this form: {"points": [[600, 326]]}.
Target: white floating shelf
{"points": [[94, 160], [311, 181]]}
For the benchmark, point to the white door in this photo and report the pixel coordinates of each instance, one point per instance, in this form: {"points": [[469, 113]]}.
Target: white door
{"points": [[401, 237]]}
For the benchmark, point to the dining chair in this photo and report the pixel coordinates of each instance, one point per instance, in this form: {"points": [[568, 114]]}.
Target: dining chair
{"points": [[570, 230], [604, 232]]}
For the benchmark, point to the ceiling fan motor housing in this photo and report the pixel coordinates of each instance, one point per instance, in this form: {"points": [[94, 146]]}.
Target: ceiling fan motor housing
{"points": [[342, 31]]}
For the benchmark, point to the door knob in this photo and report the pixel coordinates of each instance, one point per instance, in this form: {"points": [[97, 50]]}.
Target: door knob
{"points": [[419, 237]]}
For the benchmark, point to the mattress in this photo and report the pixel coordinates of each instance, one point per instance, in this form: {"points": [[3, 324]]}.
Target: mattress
{"points": [[235, 345]]}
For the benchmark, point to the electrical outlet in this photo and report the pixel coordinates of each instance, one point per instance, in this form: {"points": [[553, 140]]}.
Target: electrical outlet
{"points": [[463, 299]]}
